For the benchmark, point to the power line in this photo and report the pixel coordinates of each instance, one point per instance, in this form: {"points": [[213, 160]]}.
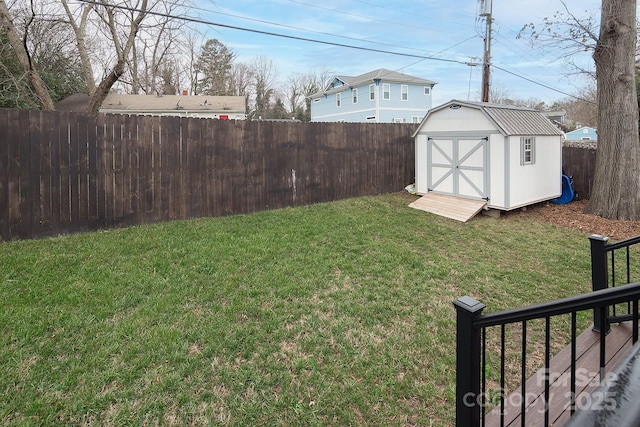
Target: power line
{"points": [[269, 33], [323, 42], [542, 84], [262, 21]]}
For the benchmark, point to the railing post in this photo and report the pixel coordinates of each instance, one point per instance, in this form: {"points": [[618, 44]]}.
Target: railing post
{"points": [[468, 352], [599, 276]]}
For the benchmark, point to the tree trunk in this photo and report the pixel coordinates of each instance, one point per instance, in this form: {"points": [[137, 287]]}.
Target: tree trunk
{"points": [[616, 185], [21, 53]]}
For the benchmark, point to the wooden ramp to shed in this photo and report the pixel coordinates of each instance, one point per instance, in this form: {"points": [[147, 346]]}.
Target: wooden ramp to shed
{"points": [[448, 206], [618, 343]]}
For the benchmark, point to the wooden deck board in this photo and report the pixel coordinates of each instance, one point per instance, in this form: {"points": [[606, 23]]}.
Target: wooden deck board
{"points": [[618, 342], [456, 208]]}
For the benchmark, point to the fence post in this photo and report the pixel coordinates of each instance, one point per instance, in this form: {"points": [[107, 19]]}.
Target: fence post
{"points": [[599, 277], [468, 351]]}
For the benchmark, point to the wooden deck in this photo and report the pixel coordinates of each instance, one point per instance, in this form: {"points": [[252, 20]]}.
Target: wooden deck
{"points": [[456, 208], [618, 342]]}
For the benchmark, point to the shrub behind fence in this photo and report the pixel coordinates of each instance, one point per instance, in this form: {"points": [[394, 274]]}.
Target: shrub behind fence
{"points": [[68, 172]]}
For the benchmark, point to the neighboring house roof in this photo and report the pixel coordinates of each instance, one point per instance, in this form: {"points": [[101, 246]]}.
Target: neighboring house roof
{"points": [[381, 74], [509, 119], [164, 103], [155, 104], [76, 103]]}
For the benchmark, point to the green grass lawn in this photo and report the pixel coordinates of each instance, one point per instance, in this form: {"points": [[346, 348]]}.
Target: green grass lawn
{"points": [[333, 314]]}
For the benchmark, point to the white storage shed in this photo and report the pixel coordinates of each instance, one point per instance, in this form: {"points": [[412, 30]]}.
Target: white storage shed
{"points": [[508, 156]]}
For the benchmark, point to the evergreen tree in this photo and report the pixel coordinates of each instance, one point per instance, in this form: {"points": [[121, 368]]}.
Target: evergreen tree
{"points": [[213, 69]]}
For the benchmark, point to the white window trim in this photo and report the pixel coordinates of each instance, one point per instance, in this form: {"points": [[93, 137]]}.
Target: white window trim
{"points": [[338, 99], [427, 90], [354, 95], [527, 150], [404, 91], [386, 91], [416, 119], [372, 92]]}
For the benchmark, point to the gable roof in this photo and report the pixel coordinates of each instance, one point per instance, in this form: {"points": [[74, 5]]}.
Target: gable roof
{"points": [[381, 74], [153, 103], [509, 119]]}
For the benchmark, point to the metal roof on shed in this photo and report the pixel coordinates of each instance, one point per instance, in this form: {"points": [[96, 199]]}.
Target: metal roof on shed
{"points": [[509, 119]]}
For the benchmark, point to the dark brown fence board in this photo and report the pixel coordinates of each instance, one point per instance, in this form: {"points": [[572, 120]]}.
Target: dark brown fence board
{"points": [[45, 175], [4, 173], [26, 190], [92, 173], [74, 170], [13, 172], [36, 140], [64, 171], [85, 133], [579, 163], [69, 172]]}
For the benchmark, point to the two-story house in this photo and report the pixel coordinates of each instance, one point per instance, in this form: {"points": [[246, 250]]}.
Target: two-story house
{"points": [[381, 96]]}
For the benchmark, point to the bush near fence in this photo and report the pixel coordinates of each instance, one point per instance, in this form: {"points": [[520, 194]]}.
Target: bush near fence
{"points": [[69, 172]]}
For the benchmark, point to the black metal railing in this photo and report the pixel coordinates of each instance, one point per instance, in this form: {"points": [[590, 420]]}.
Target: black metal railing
{"points": [[472, 326], [606, 272]]}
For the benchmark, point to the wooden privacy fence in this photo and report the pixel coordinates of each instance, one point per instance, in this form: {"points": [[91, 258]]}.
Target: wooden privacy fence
{"points": [[580, 163], [68, 172]]}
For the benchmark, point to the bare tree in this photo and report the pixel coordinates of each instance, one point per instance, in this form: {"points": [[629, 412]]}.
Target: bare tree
{"points": [[567, 34], [301, 87], [19, 45], [263, 75], [616, 185], [583, 109]]}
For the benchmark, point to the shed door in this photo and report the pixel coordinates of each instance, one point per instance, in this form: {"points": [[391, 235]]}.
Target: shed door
{"points": [[458, 166]]}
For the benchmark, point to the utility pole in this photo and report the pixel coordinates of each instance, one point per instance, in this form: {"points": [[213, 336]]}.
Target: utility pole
{"points": [[486, 8]]}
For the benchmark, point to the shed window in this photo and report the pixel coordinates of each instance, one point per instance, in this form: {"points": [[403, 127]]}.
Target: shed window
{"points": [[527, 150], [338, 99]]}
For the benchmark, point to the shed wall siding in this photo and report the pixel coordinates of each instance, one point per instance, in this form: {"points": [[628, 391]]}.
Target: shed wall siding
{"points": [[460, 120], [537, 182], [496, 170], [421, 164]]}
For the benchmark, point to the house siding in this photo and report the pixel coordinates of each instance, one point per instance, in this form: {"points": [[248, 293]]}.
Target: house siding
{"points": [[583, 133], [394, 109]]}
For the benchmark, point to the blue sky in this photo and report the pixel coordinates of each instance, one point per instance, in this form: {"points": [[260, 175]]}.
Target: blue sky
{"points": [[448, 31]]}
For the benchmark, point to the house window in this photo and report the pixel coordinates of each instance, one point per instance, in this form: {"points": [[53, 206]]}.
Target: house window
{"points": [[372, 92], [416, 119], [338, 99], [354, 93], [527, 150], [386, 91], [404, 91], [427, 90]]}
